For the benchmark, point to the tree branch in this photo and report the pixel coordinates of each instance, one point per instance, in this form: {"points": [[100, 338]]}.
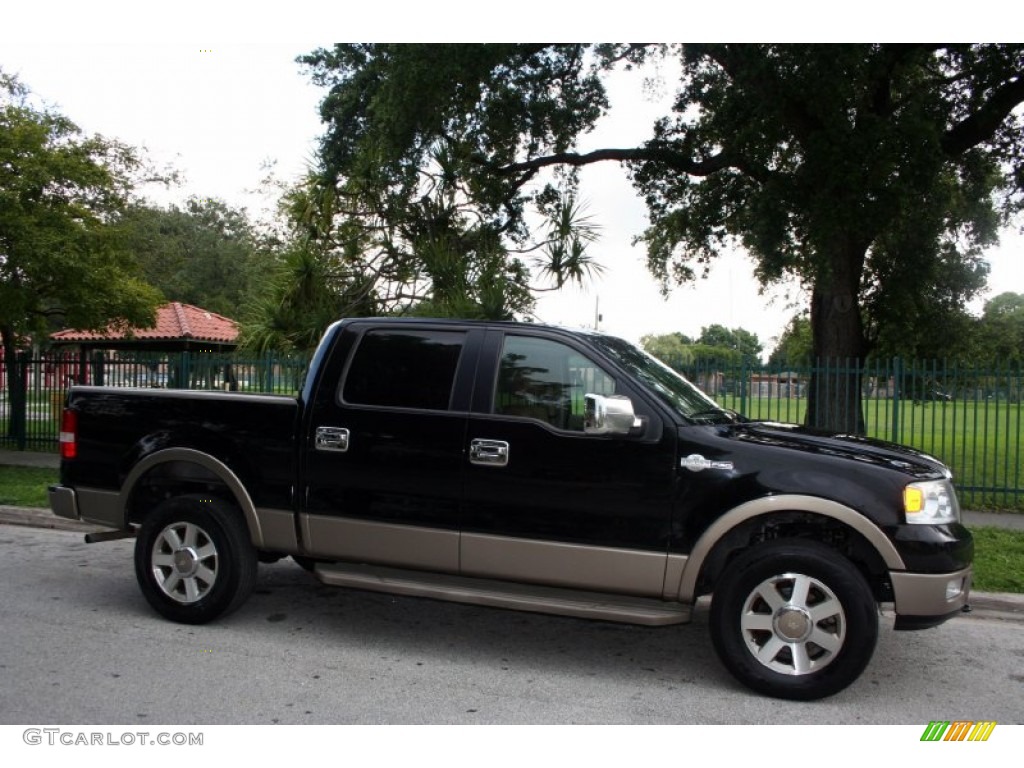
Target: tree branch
{"points": [[890, 57], [651, 154], [982, 125], [628, 53]]}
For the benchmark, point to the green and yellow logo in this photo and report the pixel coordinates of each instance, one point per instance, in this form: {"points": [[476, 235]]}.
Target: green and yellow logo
{"points": [[958, 730]]}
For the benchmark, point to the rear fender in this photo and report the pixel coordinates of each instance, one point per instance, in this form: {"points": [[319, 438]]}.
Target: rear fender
{"points": [[210, 464]]}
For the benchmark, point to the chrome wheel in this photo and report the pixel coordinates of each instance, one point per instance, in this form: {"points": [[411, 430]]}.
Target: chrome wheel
{"points": [[793, 624], [185, 562], [194, 559], [794, 618]]}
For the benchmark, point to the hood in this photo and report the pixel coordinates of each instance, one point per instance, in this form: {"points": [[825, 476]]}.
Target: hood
{"points": [[865, 450]]}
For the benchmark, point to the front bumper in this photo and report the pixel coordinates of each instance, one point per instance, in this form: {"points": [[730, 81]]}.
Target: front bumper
{"points": [[927, 599]]}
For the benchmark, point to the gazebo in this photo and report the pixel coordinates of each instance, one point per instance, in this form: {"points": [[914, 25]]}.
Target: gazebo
{"points": [[179, 328]]}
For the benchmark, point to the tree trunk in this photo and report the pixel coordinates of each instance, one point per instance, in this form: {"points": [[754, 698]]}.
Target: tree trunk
{"points": [[834, 397]]}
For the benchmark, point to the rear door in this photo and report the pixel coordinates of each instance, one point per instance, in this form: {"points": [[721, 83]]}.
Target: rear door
{"points": [[386, 441], [547, 503]]}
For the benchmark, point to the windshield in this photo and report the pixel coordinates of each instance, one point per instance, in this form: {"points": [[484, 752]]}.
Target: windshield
{"points": [[670, 386]]}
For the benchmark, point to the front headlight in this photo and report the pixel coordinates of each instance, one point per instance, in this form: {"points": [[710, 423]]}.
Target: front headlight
{"points": [[931, 503]]}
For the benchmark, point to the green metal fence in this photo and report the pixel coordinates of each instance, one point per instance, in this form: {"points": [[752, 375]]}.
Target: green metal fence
{"points": [[32, 421], [970, 418]]}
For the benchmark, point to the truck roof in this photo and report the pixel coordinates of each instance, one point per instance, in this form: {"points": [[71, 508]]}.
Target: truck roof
{"points": [[434, 321]]}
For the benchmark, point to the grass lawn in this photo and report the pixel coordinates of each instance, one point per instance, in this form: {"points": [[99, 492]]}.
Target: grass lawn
{"points": [[26, 486], [998, 554], [998, 560]]}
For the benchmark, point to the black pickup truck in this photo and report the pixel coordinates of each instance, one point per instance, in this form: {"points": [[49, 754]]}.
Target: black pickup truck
{"points": [[526, 467]]}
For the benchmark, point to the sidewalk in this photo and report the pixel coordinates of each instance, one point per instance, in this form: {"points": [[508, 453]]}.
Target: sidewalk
{"points": [[28, 459]]}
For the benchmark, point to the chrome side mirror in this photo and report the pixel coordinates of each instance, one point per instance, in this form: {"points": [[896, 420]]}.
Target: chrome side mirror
{"points": [[608, 415]]}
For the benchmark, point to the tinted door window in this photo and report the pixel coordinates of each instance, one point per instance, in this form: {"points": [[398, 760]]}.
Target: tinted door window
{"points": [[404, 369], [546, 380]]}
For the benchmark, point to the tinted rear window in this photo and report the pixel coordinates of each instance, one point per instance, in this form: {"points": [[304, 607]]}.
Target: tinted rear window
{"points": [[404, 369]]}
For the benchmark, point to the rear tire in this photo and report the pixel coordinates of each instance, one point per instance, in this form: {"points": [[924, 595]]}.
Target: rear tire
{"points": [[794, 619], [193, 559]]}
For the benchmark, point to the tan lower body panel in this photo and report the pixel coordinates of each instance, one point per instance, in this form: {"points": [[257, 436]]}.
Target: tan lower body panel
{"points": [[339, 538], [64, 502], [924, 594], [522, 597], [601, 569], [100, 507], [278, 529]]}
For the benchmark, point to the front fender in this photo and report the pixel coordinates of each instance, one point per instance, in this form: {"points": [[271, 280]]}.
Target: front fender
{"points": [[683, 573]]}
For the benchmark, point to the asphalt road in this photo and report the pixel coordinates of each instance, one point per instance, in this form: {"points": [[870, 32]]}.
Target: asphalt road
{"points": [[79, 645]]}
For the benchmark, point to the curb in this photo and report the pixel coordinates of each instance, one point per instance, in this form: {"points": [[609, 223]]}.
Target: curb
{"points": [[31, 517], [1005, 606]]}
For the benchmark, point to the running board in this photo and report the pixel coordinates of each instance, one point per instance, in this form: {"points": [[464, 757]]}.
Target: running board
{"points": [[501, 594]]}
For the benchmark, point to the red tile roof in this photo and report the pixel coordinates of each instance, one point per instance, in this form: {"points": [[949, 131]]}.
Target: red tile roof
{"points": [[174, 321]]}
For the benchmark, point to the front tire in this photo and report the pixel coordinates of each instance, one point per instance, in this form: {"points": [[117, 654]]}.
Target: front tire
{"points": [[193, 559], [794, 619]]}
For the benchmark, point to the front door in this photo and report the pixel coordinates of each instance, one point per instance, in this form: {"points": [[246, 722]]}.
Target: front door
{"points": [[544, 501]]}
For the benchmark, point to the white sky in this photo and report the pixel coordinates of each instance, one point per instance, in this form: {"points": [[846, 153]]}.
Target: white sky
{"points": [[217, 111]]}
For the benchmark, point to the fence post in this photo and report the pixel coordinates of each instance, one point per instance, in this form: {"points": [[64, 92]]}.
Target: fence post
{"points": [[18, 375], [99, 360], [744, 385], [897, 381]]}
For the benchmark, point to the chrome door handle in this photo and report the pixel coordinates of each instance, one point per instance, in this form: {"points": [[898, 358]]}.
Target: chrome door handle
{"points": [[488, 453], [331, 439]]}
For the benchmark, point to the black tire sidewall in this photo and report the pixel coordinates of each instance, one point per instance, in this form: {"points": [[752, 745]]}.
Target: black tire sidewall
{"points": [[236, 566], [834, 571]]}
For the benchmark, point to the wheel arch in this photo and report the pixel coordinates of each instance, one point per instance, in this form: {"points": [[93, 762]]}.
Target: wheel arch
{"points": [[733, 532], [185, 467]]}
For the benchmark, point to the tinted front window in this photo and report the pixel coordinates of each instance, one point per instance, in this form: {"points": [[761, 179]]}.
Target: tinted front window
{"points": [[404, 369], [546, 380], [672, 388]]}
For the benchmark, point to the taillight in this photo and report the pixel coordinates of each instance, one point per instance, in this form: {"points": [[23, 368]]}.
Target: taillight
{"points": [[69, 434]]}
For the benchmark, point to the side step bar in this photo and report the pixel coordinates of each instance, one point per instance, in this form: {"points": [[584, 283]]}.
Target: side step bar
{"points": [[500, 594]]}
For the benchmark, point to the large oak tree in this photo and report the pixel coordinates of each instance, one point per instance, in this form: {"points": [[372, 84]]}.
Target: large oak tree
{"points": [[873, 173]]}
